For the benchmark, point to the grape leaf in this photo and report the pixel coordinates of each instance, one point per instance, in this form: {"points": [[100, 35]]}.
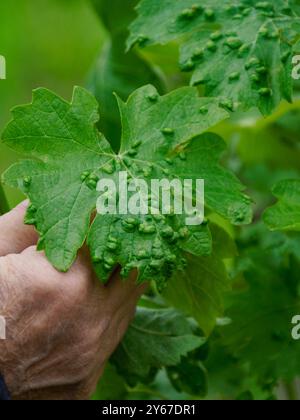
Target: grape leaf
{"points": [[189, 376], [120, 73], [285, 215], [199, 293], [111, 385], [115, 14], [156, 338], [261, 312], [69, 156], [116, 71], [241, 51], [230, 377], [262, 318]]}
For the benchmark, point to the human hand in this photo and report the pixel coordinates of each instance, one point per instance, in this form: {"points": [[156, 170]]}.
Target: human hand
{"points": [[61, 328]]}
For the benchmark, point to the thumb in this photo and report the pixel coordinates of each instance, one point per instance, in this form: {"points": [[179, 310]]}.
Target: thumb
{"points": [[14, 235]]}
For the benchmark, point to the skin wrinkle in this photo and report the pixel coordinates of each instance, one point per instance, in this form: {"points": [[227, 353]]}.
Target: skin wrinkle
{"points": [[114, 324], [62, 328]]}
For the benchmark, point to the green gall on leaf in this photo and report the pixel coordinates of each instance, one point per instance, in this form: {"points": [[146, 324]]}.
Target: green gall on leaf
{"points": [[255, 78], [85, 175], [265, 5], [27, 181], [188, 66], [91, 184], [265, 92], [182, 156], [243, 50], [198, 53], [167, 232], [147, 228], [153, 97], [253, 62], [184, 233], [238, 16], [142, 40], [234, 76], [203, 110], [157, 254], [142, 255], [227, 104], [109, 168], [137, 144], [112, 246], [264, 32], [96, 260], [168, 131], [216, 36], [234, 43], [112, 239], [262, 70], [209, 14], [188, 13], [129, 225], [169, 161], [132, 152], [109, 261], [211, 46]]}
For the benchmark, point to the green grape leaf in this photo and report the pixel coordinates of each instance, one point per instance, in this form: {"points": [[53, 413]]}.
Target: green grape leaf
{"points": [[262, 318], [111, 385], [189, 376], [120, 73], [199, 293], [68, 156], [155, 339], [241, 51], [115, 14], [115, 70], [262, 311], [285, 215]]}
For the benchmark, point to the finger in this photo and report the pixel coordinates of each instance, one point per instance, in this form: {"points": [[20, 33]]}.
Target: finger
{"points": [[15, 236], [121, 290]]}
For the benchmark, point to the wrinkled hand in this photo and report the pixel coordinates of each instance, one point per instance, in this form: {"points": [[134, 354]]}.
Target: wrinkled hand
{"points": [[61, 328]]}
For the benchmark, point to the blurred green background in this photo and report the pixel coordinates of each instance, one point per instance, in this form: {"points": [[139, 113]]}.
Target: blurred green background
{"points": [[49, 43], [56, 44]]}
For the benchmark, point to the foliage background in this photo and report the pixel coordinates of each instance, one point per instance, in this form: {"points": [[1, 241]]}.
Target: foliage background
{"points": [[49, 43], [56, 43]]}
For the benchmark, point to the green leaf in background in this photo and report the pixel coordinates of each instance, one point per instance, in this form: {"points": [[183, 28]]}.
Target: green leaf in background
{"points": [[115, 14], [3, 201], [199, 292], [285, 215], [70, 156], [111, 386], [261, 310], [155, 339], [241, 51], [120, 73], [190, 377], [261, 319], [117, 71]]}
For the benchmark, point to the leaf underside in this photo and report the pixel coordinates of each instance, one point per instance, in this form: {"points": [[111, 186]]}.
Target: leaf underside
{"points": [[156, 338]]}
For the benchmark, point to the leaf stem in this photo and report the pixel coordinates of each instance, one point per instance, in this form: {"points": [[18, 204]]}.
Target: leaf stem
{"points": [[4, 207]]}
